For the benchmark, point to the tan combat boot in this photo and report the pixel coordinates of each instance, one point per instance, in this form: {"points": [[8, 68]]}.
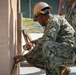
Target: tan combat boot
{"points": [[64, 70]]}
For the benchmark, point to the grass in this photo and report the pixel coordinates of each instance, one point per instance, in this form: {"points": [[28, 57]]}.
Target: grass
{"points": [[28, 21], [31, 26]]}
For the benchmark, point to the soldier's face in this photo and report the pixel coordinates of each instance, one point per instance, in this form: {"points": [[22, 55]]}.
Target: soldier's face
{"points": [[40, 19]]}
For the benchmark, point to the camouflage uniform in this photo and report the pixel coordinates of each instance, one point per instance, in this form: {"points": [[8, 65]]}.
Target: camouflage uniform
{"points": [[54, 49], [71, 14]]}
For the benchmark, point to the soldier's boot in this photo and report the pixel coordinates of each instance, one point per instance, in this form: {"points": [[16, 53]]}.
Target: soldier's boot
{"points": [[64, 70]]}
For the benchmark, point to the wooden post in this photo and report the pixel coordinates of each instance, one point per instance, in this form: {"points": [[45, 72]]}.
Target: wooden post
{"points": [[19, 23]]}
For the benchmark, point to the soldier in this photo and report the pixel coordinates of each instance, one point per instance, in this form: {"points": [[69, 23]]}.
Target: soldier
{"points": [[55, 48], [70, 13]]}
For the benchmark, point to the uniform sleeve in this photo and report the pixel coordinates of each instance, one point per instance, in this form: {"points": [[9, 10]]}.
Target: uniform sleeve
{"points": [[51, 31]]}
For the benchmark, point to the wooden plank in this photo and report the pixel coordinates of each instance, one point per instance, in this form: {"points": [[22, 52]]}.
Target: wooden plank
{"points": [[8, 36], [4, 44], [19, 23]]}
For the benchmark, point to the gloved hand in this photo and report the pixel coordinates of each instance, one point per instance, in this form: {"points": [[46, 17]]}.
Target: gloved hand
{"points": [[28, 46], [19, 58]]}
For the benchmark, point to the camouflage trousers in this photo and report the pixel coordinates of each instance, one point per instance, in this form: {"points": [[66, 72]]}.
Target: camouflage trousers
{"points": [[50, 56], [71, 15]]}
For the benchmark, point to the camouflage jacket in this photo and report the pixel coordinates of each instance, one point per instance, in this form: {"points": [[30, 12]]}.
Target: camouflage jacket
{"points": [[59, 30]]}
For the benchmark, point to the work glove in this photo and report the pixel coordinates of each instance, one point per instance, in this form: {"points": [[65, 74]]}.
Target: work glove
{"points": [[28, 46], [19, 58]]}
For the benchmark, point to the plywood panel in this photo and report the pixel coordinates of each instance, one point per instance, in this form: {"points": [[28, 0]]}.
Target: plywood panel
{"points": [[4, 54], [8, 35]]}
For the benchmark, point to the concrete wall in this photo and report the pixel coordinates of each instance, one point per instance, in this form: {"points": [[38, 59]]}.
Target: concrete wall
{"points": [[8, 35]]}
